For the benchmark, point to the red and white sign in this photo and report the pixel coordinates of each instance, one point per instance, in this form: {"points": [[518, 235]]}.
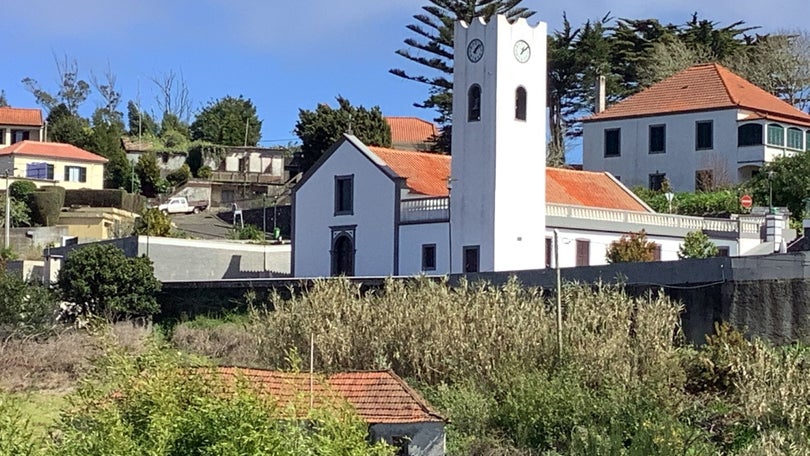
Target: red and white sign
{"points": [[746, 201]]}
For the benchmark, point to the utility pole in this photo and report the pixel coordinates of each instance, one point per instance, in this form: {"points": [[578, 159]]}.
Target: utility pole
{"points": [[7, 239]]}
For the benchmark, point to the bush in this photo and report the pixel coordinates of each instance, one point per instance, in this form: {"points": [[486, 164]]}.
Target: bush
{"points": [[25, 308], [697, 244], [20, 190], [117, 198], [16, 437], [205, 172], [101, 281], [46, 204], [179, 176], [631, 247], [248, 233], [153, 222]]}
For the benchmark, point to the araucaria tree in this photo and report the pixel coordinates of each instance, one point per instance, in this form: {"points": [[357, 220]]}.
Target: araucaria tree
{"points": [[321, 128], [631, 247], [101, 281], [228, 121], [433, 48]]}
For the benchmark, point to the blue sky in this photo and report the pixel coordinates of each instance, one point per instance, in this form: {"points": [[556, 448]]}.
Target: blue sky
{"points": [[282, 55]]}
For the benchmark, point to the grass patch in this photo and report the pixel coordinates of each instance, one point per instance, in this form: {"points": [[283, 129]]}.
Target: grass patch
{"points": [[42, 408]]}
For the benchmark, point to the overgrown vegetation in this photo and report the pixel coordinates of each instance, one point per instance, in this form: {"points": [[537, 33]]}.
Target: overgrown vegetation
{"points": [[696, 244], [631, 247], [717, 203]]}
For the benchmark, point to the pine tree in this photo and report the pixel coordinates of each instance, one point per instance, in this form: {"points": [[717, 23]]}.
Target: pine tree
{"points": [[433, 48], [696, 244]]}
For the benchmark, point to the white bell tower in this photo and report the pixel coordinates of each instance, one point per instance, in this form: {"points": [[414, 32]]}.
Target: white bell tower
{"points": [[498, 176]]}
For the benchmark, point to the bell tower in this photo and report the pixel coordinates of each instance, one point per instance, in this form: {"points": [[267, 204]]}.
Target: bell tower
{"points": [[498, 175]]}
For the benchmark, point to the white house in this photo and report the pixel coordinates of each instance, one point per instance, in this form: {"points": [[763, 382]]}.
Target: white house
{"points": [[701, 127], [370, 211]]}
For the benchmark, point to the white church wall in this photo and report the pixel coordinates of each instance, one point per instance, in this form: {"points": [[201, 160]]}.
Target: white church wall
{"points": [[373, 216], [411, 240]]}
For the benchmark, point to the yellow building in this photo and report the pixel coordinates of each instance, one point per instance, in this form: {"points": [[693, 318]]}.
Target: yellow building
{"points": [[47, 163], [92, 224]]}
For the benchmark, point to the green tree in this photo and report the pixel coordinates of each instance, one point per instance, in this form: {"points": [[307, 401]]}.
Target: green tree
{"points": [[696, 244], [432, 47], [149, 174], [228, 121], [105, 140], [25, 308], [320, 129], [20, 213], [71, 92], [140, 122], [66, 127], [787, 179], [100, 280], [22, 189], [631, 247], [153, 222]]}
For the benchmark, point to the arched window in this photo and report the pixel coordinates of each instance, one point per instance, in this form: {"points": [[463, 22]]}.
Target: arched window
{"points": [[776, 135], [520, 103], [749, 135], [474, 103]]}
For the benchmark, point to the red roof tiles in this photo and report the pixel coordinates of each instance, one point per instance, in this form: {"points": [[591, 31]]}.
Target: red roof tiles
{"points": [[424, 173], [699, 88], [58, 151], [411, 130], [26, 117], [377, 396], [428, 173], [590, 189]]}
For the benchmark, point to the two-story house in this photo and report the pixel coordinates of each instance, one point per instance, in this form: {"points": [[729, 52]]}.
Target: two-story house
{"points": [[20, 124], [46, 163], [702, 127]]}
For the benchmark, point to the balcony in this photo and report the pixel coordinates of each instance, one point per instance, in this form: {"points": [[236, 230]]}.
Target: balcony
{"points": [[424, 210], [237, 177]]}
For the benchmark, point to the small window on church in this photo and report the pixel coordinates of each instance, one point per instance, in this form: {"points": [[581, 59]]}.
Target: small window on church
{"points": [[474, 103], [520, 103]]}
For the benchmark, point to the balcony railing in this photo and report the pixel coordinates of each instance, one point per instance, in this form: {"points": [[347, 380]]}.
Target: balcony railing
{"points": [[241, 177], [424, 210]]}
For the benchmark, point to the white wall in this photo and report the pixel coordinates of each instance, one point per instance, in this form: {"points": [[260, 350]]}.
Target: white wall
{"points": [[600, 241], [411, 239], [375, 200], [679, 162]]}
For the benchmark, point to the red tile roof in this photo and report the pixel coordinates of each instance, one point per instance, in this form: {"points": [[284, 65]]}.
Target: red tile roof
{"points": [[377, 396], [700, 88], [425, 173], [428, 173], [411, 130], [26, 117], [590, 189], [57, 151]]}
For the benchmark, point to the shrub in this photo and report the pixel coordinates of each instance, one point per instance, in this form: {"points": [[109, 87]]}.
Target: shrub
{"points": [[153, 222], [179, 176], [20, 190], [100, 280], [16, 436], [205, 172], [25, 308], [46, 204], [631, 247], [697, 244], [248, 233]]}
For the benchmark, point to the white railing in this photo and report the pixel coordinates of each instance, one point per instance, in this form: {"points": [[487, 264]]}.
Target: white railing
{"points": [[423, 210], [653, 219]]}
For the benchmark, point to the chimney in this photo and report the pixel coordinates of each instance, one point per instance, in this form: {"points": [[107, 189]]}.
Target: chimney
{"points": [[601, 94]]}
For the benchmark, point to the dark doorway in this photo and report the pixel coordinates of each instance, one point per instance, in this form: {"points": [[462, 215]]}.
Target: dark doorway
{"points": [[343, 256], [472, 257]]}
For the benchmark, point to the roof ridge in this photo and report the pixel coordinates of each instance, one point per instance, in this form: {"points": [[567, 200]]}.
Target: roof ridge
{"points": [[724, 81], [415, 396]]}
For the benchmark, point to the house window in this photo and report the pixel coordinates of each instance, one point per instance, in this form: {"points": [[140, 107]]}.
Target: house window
{"points": [[613, 142], [583, 252], [723, 251], [776, 135], [75, 174], [2, 135], [704, 180], [795, 138], [39, 171], [657, 181], [474, 103], [344, 195], [520, 103], [658, 135], [749, 135], [428, 257], [704, 134], [19, 135], [472, 258], [549, 251]]}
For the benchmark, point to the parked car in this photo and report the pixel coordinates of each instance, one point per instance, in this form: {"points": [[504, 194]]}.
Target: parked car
{"points": [[180, 205]]}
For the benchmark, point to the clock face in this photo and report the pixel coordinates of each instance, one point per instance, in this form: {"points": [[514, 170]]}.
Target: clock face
{"points": [[475, 50], [522, 51]]}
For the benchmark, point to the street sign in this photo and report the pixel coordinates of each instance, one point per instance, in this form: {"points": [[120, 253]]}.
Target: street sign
{"points": [[746, 201]]}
